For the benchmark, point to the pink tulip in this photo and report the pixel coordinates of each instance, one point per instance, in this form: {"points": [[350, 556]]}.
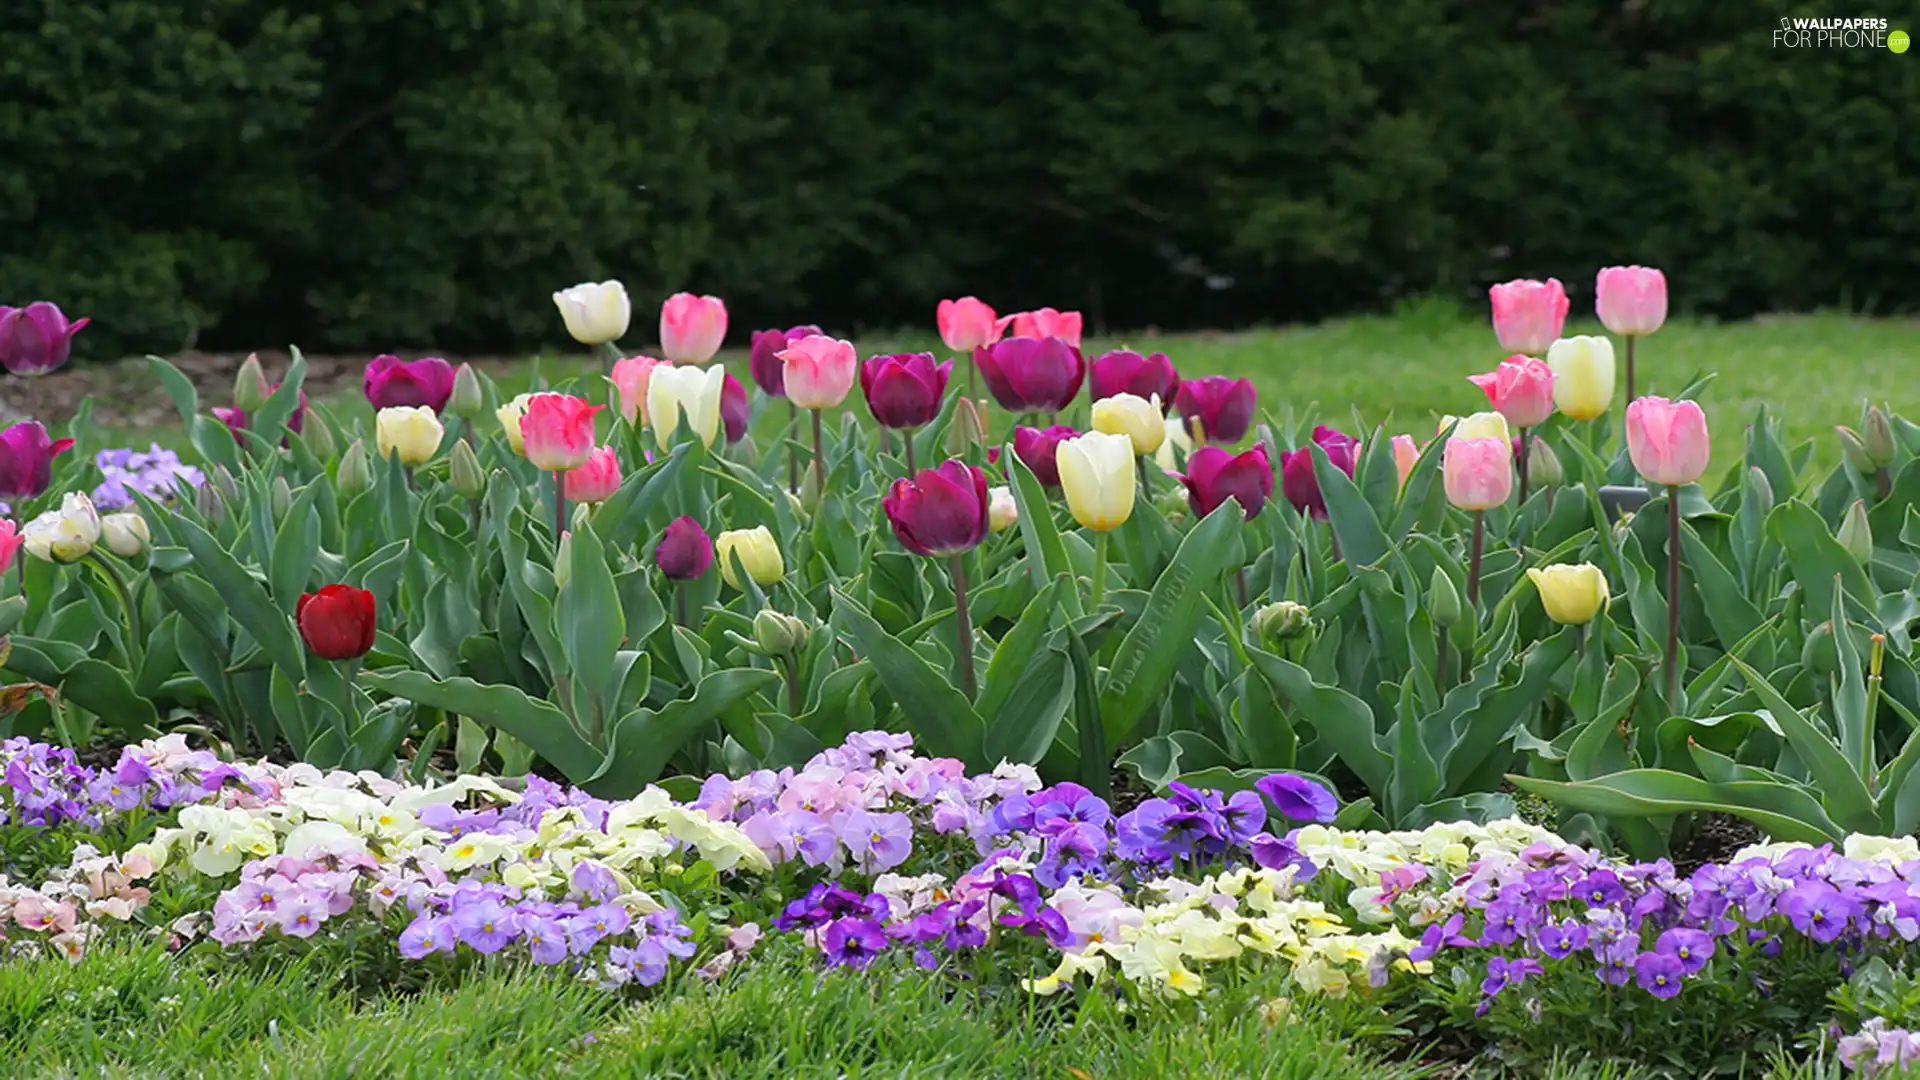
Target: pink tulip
{"points": [[819, 371], [630, 377], [1668, 440], [1528, 315], [557, 431], [596, 480], [1479, 472], [763, 359], [692, 327], [10, 540], [1521, 389], [966, 323], [1406, 454], [1631, 300], [1044, 323]]}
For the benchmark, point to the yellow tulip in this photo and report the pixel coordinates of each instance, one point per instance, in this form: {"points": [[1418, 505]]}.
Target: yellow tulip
{"points": [[413, 432], [1572, 595], [696, 390], [759, 554], [1133, 416], [510, 416], [1582, 376], [1096, 472]]}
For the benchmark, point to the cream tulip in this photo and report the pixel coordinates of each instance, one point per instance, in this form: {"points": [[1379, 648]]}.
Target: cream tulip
{"points": [[126, 533], [1582, 375], [595, 313], [1135, 417], [1003, 512], [1096, 472], [510, 416], [758, 551], [65, 535], [1480, 425], [694, 390], [413, 432]]}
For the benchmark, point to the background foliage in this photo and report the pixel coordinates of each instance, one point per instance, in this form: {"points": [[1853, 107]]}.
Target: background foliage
{"points": [[386, 173]]}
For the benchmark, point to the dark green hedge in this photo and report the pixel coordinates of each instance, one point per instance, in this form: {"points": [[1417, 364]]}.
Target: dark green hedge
{"points": [[391, 173]]}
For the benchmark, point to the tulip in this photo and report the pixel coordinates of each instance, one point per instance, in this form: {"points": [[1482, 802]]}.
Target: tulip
{"points": [[1544, 465], [904, 391], [337, 623], [65, 535], [1667, 440], [467, 399], [250, 385], [26, 460], [463, 471], [819, 371], [967, 323], [1571, 595], [1632, 302], [1139, 419], [595, 314], [693, 391], [1520, 389], [1298, 480], [391, 381], [1856, 533], [734, 409], [1096, 472], [1044, 323], [557, 431], [1478, 472], [1218, 409], [939, 512], [1214, 475], [968, 429], [37, 338], [769, 371], [1174, 451], [1003, 511], [1039, 450], [1124, 371], [777, 634], [1528, 315], [510, 416], [596, 480], [413, 432], [355, 475], [126, 533], [757, 552], [692, 327], [1480, 425], [1282, 621], [1582, 375], [684, 552], [630, 377], [1028, 375], [1405, 456], [10, 540]]}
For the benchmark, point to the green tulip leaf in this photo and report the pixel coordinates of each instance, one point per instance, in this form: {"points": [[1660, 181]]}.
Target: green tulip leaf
{"points": [[943, 719], [1785, 813], [537, 723], [644, 741]]}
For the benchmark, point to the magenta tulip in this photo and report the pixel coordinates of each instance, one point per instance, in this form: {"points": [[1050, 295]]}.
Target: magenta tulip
{"points": [[904, 390], [391, 381], [966, 324], [1631, 300], [1213, 476], [1031, 375], [26, 460], [37, 338], [1478, 472], [1528, 315], [1668, 440], [1044, 323], [1222, 406], [1124, 371], [1036, 449], [734, 408], [1299, 482], [763, 360], [692, 327], [940, 512], [1521, 389], [685, 551]]}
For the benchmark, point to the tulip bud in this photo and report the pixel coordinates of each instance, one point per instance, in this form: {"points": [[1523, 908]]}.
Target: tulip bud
{"points": [[810, 490], [745, 452], [1758, 489], [250, 385], [1854, 449], [467, 402], [1543, 465], [223, 479], [1877, 434], [581, 515], [126, 533], [967, 429], [779, 634], [281, 496], [1281, 621], [563, 561], [355, 474], [206, 499], [318, 436], [1173, 504], [1820, 655], [464, 470], [1443, 600], [1856, 535]]}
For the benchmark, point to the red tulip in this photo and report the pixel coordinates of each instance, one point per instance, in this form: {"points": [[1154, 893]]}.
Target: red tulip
{"points": [[685, 551], [1213, 476], [1124, 371], [1036, 448], [904, 390], [337, 622], [1223, 406], [37, 338], [1029, 375], [734, 409], [763, 361], [1301, 483], [940, 512], [966, 323], [557, 431], [26, 459], [391, 381]]}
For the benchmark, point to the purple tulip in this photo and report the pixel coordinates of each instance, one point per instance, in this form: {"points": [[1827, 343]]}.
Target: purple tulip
{"points": [[941, 511], [26, 460], [685, 552], [1036, 448], [769, 371], [1213, 475], [734, 410], [1124, 371], [904, 390], [1223, 406], [1301, 483], [1029, 375], [391, 381], [1298, 798], [37, 338]]}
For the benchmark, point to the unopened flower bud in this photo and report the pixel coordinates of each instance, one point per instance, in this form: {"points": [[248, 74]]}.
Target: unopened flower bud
{"points": [[1758, 490], [1820, 655], [282, 499], [1854, 450], [223, 480], [250, 390], [1173, 504], [745, 452], [125, 533], [968, 428], [1443, 600], [206, 499], [779, 634], [810, 490], [1856, 535], [467, 401], [463, 470], [563, 561], [355, 474], [1543, 465], [318, 436], [1282, 621], [1877, 434]]}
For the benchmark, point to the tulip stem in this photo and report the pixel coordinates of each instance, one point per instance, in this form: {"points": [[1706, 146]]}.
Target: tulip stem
{"points": [[1099, 567], [1630, 340], [906, 438], [1240, 585], [134, 637], [1441, 664], [1526, 448], [1673, 594], [790, 667], [1473, 559], [962, 625], [793, 462], [819, 456], [680, 605], [559, 509]]}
